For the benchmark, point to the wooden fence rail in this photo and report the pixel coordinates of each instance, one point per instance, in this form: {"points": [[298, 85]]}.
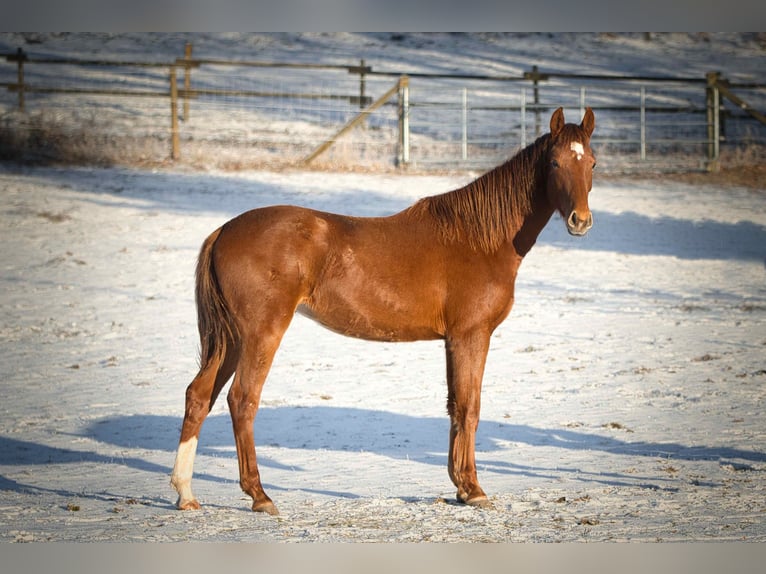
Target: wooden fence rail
{"points": [[716, 88], [357, 120]]}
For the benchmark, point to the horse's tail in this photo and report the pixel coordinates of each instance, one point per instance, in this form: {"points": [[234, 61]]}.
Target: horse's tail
{"points": [[217, 329]]}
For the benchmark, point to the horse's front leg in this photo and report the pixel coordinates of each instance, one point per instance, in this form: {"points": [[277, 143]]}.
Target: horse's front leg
{"points": [[466, 357]]}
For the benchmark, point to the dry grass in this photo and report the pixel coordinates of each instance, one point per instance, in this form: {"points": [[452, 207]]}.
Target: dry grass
{"points": [[741, 167], [44, 138]]}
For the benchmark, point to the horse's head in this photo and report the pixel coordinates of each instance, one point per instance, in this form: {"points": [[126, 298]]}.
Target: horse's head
{"points": [[570, 170]]}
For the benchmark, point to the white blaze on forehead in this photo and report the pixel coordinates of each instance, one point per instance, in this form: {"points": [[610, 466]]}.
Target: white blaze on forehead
{"points": [[578, 149]]}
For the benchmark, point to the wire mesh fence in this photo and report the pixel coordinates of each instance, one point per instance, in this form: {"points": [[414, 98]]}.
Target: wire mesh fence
{"points": [[252, 114]]}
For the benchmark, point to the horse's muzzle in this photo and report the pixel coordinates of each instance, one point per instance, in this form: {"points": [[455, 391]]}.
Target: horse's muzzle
{"points": [[577, 225]]}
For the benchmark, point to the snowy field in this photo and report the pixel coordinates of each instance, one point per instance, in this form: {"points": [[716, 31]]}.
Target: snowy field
{"points": [[624, 397]]}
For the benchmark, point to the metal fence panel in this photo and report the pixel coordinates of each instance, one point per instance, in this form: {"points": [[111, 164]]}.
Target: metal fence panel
{"points": [[240, 114]]}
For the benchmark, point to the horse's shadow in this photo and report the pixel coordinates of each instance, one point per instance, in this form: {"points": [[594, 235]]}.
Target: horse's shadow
{"points": [[636, 234], [381, 432], [398, 436]]}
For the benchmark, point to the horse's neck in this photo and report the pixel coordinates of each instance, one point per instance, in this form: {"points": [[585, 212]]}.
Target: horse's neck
{"points": [[533, 224]]}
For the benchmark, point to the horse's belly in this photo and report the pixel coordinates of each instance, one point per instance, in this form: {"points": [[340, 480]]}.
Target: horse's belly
{"points": [[371, 324]]}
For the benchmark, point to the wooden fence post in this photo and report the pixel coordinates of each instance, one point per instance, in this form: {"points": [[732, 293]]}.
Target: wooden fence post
{"points": [[187, 79], [362, 85], [711, 105], [642, 116], [536, 96], [20, 58], [175, 152], [464, 124], [536, 78], [362, 89], [523, 118]]}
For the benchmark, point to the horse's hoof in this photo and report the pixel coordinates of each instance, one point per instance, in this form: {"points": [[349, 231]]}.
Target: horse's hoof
{"points": [[192, 504], [481, 502], [266, 506]]}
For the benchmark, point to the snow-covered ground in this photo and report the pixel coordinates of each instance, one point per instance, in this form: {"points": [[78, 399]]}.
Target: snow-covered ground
{"points": [[735, 53], [624, 396]]}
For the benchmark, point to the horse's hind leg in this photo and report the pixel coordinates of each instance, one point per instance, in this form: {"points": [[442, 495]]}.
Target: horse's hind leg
{"points": [[200, 398], [258, 348]]}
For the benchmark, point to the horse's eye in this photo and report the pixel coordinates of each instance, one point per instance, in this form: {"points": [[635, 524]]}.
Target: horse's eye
{"points": [[594, 165], [554, 163]]}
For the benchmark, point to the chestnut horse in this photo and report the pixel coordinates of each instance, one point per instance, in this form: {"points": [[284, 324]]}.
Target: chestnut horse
{"points": [[444, 268]]}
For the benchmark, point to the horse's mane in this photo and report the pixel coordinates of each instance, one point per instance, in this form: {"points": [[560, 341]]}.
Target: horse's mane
{"points": [[488, 211]]}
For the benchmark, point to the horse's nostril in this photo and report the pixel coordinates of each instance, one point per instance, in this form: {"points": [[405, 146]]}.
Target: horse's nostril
{"points": [[579, 225]]}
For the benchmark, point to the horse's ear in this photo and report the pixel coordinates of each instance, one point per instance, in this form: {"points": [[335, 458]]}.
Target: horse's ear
{"points": [[557, 122], [588, 121]]}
